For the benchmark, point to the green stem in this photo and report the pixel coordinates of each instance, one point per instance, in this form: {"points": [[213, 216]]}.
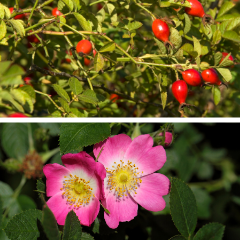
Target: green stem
{"points": [[139, 4], [15, 195], [130, 58], [30, 139], [45, 156], [32, 11], [46, 95], [16, 4]]}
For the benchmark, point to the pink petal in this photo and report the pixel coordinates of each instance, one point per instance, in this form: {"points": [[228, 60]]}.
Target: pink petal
{"points": [[55, 176], [88, 214], [100, 174], [60, 209], [122, 210], [147, 158], [149, 194], [80, 160], [168, 138], [113, 150]]}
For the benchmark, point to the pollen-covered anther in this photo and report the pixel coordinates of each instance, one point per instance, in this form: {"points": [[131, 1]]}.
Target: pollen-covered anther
{"points": [[77, 191], [123, 178]]}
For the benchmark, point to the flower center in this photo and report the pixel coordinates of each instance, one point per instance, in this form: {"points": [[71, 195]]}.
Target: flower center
{"points": [[77, 191], [123, 178]]}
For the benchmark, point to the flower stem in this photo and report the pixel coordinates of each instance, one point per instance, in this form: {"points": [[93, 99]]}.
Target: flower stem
{"points": [[140, 5]]}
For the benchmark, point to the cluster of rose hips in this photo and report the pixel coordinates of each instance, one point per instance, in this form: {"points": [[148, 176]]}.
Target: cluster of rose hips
{"points": [[191, 76], [161, 31]]}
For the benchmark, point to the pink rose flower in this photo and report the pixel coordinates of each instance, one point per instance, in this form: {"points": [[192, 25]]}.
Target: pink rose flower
{"points": [[168, 138], [77, 186], [130, 176]]}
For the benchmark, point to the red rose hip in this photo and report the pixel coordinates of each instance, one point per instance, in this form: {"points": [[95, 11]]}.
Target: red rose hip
{"points": [[180, 90], [160, 30], [196, 9], [192, 77], [84, 47], [20, 16], [56, 12], [210, 75]]}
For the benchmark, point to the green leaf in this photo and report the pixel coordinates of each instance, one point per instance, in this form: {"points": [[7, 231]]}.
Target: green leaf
{"points": [[30, 91], [6, 193], [24, 225], [98, 62], [187, 47], [4, 66], [225, 8], [175, 38], [216, 94], [75, 85], [72, 228], [213, 231], [7, 12], [3, 29], [61, 92], [225, 72], [6, 96], [225, 17], [64, 105], [18, 26], [134, 25], [161, 46], [197, 46], [1, 11], [164, 99], [183, 207], [17, 94], [223, 26], [109, 47], [231, 35], [217, 58], [89, 96], [205, 47], [235, 22], [112, 12], [86, 236], [208, 31], [217, 36], [86, 25], [96, 226], [76, 135], [187, 26], [68, 3], [77, 5], [100, 15], [12, 76], [23, 98], [14, 136], [49, 224]]}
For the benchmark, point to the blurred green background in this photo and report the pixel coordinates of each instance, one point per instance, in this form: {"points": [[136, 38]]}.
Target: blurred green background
{"points": [[206, 156]]}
